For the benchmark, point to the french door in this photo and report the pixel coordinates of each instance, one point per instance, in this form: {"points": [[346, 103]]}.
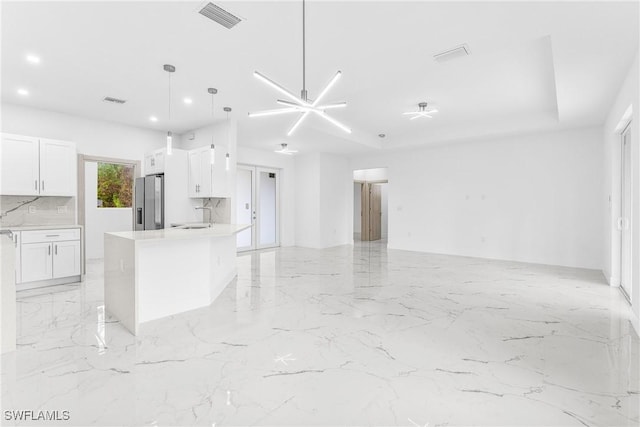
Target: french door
{"points": [[258, 204], [624, 222]]}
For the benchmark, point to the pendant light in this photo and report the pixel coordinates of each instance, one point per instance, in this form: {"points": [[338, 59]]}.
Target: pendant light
{"points": [[212, 91], [169, 69], [226, 158], [303, 104]]}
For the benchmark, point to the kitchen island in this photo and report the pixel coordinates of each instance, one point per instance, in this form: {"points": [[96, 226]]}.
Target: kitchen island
{"points": [[152, 274]]}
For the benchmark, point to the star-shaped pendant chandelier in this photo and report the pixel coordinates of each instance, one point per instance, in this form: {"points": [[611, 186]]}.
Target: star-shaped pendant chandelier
{"points": [[422, 112], [302, 105]]}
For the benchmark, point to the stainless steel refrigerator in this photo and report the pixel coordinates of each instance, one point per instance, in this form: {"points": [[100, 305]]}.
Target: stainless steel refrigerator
{"points": [[149, 203]]}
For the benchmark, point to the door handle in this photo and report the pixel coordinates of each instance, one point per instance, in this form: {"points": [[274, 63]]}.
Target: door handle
{"points": [[42, 185], [36, 184], [49, 250], [56, 249], [619, 224]]}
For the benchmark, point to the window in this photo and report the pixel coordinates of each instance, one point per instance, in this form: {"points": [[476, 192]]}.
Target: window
{"points": [[115, 185]]}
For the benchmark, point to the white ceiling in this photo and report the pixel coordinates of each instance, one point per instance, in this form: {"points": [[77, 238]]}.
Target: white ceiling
{"points": [[533, 65]]}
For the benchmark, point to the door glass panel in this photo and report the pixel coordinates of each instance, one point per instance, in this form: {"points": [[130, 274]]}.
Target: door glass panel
{"points": [[267, 214], [244, 206]]}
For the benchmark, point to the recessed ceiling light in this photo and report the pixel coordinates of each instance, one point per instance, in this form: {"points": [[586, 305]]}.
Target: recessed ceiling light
{"points": [[188, 101], [153, 118], [23, 92], [33, 59], [382, 135]]}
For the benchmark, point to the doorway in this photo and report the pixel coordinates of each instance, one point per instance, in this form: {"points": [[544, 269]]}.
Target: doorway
{"points": [[624, 221], [258, 204], [370, 221], [105, 194]]}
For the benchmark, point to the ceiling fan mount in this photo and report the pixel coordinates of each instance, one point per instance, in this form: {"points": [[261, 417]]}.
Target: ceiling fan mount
{"points": [[422, 112]]}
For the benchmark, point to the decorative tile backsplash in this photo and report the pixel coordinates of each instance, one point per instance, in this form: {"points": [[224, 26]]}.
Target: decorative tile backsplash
{"points": [[221, 210], [36, 210]]}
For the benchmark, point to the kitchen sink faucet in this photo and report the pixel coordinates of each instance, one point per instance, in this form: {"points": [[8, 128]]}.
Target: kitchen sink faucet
{"points": [[210, 212]]}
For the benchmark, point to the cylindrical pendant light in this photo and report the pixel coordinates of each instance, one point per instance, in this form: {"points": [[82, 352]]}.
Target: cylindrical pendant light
{"points": [[212, 91], [169, 69], [227, 110]]}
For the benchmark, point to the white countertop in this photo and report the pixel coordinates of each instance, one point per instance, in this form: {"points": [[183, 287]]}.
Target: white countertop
{"points": [[217, 230], [38, 227]]}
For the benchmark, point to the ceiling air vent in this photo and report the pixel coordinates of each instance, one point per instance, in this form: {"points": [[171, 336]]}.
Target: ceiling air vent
{"points": [[453, 53], [114, 100], [218, 14]]}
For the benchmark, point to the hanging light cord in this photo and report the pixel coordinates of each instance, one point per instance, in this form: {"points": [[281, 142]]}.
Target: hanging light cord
{"points": [[304, 65], [169, 122]]}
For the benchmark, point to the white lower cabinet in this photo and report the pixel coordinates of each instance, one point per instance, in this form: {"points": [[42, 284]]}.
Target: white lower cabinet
{"points": [[50, 255], [66, 259], [36, 262]]}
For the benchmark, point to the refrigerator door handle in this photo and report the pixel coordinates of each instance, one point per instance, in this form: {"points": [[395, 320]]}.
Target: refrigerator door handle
{"points": [[139, 216], [158, 201]]}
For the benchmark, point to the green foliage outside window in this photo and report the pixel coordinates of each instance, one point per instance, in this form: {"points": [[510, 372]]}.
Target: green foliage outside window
{"points": [[115, 185]]}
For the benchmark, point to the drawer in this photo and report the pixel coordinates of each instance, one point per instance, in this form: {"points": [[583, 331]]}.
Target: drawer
{"points": [[53, 235]]}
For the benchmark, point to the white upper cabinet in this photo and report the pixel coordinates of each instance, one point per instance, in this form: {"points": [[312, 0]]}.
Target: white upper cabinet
{"points": [[207, 180], [195, 173], [19, 160], [37, 166], [57, 168]]}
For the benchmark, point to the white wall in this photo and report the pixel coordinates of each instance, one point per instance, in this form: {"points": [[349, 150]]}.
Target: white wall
{"points": [[307, 201], [324, 201], [100, 220], [336, 209], [628, 96], [532, 198], [357, 208], [94, 137], [373, 174]]}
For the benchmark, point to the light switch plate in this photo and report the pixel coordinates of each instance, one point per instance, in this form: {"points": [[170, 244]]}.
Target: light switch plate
{"points": [[32, 209], [62, 209]]}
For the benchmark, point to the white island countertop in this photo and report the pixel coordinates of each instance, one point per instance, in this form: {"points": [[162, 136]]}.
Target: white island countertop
{"points": [[153, 274], [216, 230]]}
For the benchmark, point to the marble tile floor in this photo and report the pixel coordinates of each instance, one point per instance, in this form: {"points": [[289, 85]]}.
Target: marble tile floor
{"points": [[353, 335]]}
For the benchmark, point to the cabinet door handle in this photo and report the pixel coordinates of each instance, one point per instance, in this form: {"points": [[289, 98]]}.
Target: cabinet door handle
{"points": [[56, 249], [52, 235], [49, 250], [36, 184], [42, 185]]}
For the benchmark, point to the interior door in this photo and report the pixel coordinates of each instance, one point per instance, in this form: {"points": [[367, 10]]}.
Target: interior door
{"points": [[624, 222], [364, 212], [245, 206], [375, 209]]}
